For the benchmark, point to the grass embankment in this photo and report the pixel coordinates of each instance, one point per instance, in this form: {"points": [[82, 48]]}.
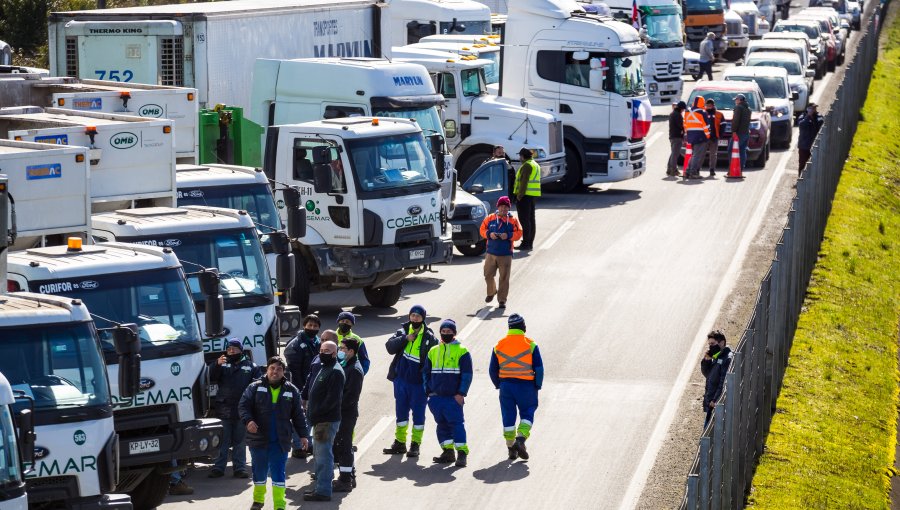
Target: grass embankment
{"points": [[833, 438]]}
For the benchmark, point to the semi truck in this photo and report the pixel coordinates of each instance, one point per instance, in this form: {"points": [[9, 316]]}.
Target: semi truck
{"points": [[702, 17], [143, 288], [17, 430], [178, 104], [588, 71], [661, 27], [189, 45], [372, 203]]}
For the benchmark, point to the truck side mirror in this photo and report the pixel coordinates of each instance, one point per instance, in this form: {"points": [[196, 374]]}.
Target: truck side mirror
{"points": [[595, 75], [25, 424], [214, 311], [209, 282], [450, 128], [280, 243], [437, 153], [322, 178], [289, 320], [580, 55], [128, 348], [285, 276], [296, 215], [322, 155]]}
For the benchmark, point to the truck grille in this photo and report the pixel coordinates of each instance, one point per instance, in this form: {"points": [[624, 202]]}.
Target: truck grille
{"points": [[698, 33], [664, 70], [171, 61], [72, 56], [556, 137], [751, 21], [733, 27], [462, 212], [146, 420]]}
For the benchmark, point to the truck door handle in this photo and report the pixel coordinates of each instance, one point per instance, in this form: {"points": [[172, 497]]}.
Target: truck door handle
{"points": [[564, 108]]}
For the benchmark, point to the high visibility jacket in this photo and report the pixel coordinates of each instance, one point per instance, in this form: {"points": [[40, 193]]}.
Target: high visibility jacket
{"points": [[514, 354], [716, 119], [448, 370], [695, 121], [533, 188], [363, 353]]}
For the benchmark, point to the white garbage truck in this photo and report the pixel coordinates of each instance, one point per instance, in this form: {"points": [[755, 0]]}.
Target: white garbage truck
{"points": [[194, 45], [157, 419], [369, 192], [178, 104], [17, 430], [587, 70]]}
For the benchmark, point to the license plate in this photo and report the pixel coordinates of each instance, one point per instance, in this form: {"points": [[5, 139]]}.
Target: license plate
{"points": [[723, 143], [455, 228], [145, 446], [732, 44], [417, 254]]}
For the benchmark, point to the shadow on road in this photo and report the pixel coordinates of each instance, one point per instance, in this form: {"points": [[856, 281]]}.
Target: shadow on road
{"points": [[420, 471], [503, 471], [589, 199]]}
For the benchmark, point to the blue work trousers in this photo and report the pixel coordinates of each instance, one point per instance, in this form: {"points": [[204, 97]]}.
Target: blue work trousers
{"points": [[409, 397], [517, 399], [743, 140], [269, 463], [323, 453], [233, 432], [451, 424]]}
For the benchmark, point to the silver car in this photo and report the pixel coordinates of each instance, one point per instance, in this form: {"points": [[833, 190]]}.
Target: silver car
{"points": [[799, 78]]}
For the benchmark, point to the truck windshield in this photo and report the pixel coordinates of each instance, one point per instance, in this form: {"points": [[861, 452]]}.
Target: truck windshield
{"points": [[392, 162], [664, 30], [492, 70], [427, 118], [255, 198], [472, 82], [156, 300], [57, 365], [695, 6], [627, 77], [465, 27], [10, 474]]}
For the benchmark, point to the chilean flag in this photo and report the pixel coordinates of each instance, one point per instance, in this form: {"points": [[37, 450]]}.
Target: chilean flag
{"points": [[641, 118], [635, 16]]}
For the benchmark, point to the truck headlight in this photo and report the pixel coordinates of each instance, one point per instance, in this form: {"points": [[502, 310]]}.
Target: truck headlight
{"points": [[541, 153], [653, 87], [478, 212], [618, 154], [215, 440], [203, 444]]}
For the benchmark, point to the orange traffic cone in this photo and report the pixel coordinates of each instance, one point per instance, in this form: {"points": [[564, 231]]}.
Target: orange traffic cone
{"points": [[687, 159], [734, 169]]}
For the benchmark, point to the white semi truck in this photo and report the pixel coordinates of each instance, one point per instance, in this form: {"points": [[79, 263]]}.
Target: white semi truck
{"points": [[178, 104], [17, 431], [194, 45], [588, 71], [372, 203]]}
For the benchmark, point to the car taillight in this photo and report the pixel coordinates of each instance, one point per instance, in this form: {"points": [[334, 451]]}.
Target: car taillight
{"points": [[12, 286]]}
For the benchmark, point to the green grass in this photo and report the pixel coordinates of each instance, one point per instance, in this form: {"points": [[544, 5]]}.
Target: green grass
{"points": [[832, 440]]}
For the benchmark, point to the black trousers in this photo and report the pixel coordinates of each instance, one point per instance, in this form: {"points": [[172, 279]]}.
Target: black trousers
{"points": [[525, 208], [706, 67], [343, 444]]}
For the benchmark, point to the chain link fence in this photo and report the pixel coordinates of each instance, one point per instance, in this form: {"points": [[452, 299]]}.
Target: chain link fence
{"points": [[732, 442]]}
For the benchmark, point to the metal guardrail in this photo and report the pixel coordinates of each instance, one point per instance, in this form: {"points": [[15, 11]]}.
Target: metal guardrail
{"points": [[731, 444]]}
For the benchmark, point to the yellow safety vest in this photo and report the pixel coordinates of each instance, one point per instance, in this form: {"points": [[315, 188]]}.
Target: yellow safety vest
{"points": [[534, 180]]}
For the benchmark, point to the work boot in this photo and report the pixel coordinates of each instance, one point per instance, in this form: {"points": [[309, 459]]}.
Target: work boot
{"points": [[215, 473], [344, 483], [180, 489], [413, 450], [447, 457], [396, 448], [297, 453], [513, 452], [461, 459], [520, 448], [257, 506]]}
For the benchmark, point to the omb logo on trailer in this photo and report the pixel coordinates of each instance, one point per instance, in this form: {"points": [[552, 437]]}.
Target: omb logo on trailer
{"points": [[151, 110], [123, 140]]}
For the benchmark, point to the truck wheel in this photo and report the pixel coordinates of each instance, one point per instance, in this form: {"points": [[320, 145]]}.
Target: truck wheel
{"points": [[472, 162], [473, 250], [383, 297], [301, 290], [151, 492], [571, 180]]}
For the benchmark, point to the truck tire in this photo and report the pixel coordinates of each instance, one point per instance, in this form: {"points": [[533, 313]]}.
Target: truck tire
{"points": [[473, 250], [383, 297], [470, 164], [151, 492], [300, 292], [696, 76], [571, 180]]}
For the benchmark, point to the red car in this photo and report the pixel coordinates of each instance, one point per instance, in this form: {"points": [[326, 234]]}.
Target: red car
{"points": [[723, 93]]}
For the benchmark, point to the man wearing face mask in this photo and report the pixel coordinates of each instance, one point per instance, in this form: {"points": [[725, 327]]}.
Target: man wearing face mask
{"points": [[299, 354], [345, 323], [232, 372], [517, 370], [448, 375], [270, 410], [714, 366], [409, 346], [343, 441], [326, 390]]}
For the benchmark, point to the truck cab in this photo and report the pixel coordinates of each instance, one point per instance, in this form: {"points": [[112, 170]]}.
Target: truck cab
{"points": [[372, 201], [18, 445]]}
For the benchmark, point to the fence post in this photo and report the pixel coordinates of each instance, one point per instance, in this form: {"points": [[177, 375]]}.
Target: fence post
{"points": [[705, 446], [692, 487], [718, 460]]}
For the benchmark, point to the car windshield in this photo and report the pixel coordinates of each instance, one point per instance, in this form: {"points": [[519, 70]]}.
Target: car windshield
{"points": [[237, 253], [156, 300], [627, 77], [473, 82], [811, 31], [57, 365], [392, 162], [664, 30], [704, 5], [792, 66], [10, 474], [255, 198], [724, 99], [771, 87]]}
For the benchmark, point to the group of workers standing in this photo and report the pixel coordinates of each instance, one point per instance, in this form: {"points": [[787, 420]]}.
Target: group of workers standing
{"points": [[309, 400], [701, 128]]}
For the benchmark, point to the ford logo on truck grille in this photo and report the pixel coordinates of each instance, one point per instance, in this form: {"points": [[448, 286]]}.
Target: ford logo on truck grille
{"points": [[41, 453], [147, 383], [414, 210]]}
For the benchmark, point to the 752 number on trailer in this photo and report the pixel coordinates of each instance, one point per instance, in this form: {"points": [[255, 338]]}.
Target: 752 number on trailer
{"points": [[124, 75]]}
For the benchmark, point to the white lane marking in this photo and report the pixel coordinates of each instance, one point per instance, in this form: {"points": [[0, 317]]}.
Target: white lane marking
{"points": [[557, 235], [369, 439], [653, 139], [648, 459], [470, 327]]}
